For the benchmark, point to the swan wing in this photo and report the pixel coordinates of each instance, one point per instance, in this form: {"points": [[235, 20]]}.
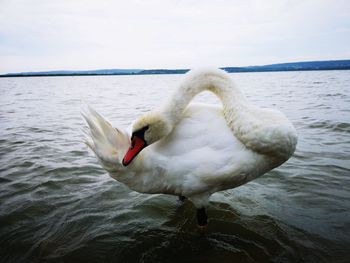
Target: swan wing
{"points": [[108, 143]]}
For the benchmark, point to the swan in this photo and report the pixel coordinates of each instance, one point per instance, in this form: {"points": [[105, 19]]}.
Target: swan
{"points": [[194, 150]]}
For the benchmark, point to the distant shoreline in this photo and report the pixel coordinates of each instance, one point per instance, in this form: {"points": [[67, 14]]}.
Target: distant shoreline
{"points": [[294, 66], [139, 74]]}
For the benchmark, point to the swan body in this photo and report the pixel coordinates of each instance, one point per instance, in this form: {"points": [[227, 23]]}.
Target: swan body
{"points": [[194, 150]]}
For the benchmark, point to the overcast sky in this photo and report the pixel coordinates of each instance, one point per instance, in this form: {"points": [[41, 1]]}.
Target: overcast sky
{"points": [[37, 35]]}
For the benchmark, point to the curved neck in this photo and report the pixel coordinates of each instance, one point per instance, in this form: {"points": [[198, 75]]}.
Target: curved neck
{"points": [[216, 81], [266, 132]]}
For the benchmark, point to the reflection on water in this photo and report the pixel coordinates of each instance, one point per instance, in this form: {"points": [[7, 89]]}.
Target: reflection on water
{"points": [[58, 204]]}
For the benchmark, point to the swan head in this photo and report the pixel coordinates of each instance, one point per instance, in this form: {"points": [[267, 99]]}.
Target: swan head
{"points": [[147, 129]]}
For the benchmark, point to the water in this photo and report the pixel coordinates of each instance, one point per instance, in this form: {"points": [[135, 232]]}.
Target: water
{"points": [[58, 204]]}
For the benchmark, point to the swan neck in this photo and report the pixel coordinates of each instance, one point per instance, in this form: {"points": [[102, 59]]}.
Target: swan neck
{"points": [[217, 82]]}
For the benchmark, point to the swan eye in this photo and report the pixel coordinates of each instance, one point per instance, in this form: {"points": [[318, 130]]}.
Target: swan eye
{"points": [[139, 133]]}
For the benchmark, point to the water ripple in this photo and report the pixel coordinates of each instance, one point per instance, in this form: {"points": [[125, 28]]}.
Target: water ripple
{"points": [[58, 204]]}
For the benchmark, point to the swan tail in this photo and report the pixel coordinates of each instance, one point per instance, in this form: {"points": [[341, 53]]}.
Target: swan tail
{"points": [[108, 143]]}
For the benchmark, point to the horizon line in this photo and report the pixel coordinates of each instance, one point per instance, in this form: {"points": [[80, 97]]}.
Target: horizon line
{"points": [[130, 71]]}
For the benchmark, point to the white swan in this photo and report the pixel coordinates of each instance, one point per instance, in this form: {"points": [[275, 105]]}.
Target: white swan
{"points": [[194, 150]]}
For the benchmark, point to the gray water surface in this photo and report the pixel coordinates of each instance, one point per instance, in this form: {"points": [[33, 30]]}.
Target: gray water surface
{"points": [[58, 204]]}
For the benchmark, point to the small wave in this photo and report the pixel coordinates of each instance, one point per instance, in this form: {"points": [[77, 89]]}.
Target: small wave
{"points": [[331, 125], [336, 95]]}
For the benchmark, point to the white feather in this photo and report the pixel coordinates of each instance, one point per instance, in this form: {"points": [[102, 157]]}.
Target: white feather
{"points": [[108, 143]]}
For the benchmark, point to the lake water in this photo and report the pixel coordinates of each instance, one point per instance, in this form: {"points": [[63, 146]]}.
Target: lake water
{"points": [[57, 203]]}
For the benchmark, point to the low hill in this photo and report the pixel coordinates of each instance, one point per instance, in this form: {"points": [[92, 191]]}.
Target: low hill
{"points": [[294, 66]]}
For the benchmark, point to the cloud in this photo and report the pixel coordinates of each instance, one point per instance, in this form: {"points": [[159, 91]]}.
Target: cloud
{"points": [[47, 35]]}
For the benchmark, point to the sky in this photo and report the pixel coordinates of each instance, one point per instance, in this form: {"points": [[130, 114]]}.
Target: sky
{"points": [[42, 35]]}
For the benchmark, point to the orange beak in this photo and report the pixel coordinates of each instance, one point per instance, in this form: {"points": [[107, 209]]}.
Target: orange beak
{"points": [[137, 144]]}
